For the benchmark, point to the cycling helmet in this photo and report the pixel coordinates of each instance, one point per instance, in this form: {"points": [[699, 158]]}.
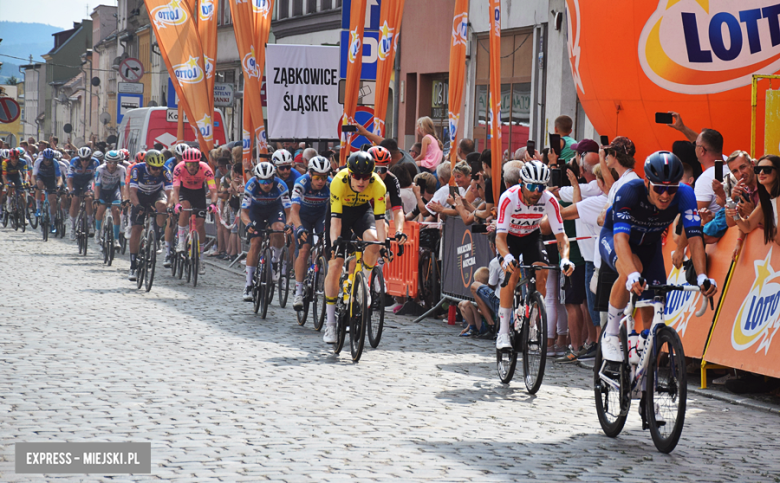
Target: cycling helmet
{"points": [[319, 165], [282, 157], [49, 153], [535, 172], [381, 155], [264, 170], [180, 148], [663, 167], [191, 155], [154, 158], [85, 152], [3, 153], [125, 154], [57, 155], [139, 156], [13, 153], [360, 163], [98, 155], [113, 157]]}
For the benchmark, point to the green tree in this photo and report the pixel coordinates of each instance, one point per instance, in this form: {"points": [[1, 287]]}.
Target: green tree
{"points": [[12, 81]]}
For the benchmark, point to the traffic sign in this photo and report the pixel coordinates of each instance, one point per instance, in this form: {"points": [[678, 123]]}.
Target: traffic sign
{"points": [[131, 70], [125, 102], [9, 110], [131, 87], [365, 117], [370, 54], [373, 10]]}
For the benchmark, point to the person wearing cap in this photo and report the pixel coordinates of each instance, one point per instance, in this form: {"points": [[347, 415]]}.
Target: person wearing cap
{"points": [[587, 158]]}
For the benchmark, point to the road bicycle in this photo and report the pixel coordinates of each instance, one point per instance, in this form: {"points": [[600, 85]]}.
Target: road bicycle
{"points": [[60, 214], [45, 217], [429, 275], [188, 262], [527, 331], [177, 269], [15, 210], [262, 282], [314, 284], [284, 267], [82, 225], [653, 371], [107, 237], [146, 261], [124, 224], [31, 213], [352, 304]]}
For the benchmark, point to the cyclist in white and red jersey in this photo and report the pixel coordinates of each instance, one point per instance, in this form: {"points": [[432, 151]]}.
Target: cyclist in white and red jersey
{"points": [[190, 179], [521, 210]]}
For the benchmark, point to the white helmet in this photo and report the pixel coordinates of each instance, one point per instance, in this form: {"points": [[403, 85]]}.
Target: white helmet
{"points": [[319, 165], [264, 170], [98, 155], [535, 172], [85, 152], [180, 148], [4, 153], [282, 157], [57, 155]]}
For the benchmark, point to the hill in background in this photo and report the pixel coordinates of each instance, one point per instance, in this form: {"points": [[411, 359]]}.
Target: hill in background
{"points": [[23, 40]]}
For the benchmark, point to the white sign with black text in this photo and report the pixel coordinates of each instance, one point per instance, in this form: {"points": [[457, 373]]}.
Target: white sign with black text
{"points": [[302, 83]]}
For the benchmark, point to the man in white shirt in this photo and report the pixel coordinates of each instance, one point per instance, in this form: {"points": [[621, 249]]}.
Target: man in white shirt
{"points": [[442, 203]]}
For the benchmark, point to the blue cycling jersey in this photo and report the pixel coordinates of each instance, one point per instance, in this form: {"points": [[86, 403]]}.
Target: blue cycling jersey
{"points": [[290, 181], [633, 214], [255, 197], [147, 183], [43, 169], [82, 173], [170, 164], [311, 201]]}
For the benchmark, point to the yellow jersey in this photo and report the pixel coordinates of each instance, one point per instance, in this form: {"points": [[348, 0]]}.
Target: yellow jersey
{"points": [[343, 196]]}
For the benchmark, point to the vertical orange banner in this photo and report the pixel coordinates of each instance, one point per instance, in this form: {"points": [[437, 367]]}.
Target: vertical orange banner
{"points": [[494, 98], [390, 21], [261, 11], [253, 108], [357, 17], [180, 104], [207, 29], [457, 80], [182, 52], [246, 143]]}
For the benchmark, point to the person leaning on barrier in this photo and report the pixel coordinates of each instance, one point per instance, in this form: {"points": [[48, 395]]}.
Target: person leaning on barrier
{"points": [[444, 203], [768, 173]]}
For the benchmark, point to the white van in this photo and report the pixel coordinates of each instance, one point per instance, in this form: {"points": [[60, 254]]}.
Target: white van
{"points": [[142, 127]]}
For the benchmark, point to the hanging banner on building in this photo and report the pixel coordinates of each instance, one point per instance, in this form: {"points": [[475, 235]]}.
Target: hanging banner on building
{"points": [[261, 12], [457, 80], [303, 91], [494, 98], [243, 25], [182, 52], [392, 12], [357, 15], [462, 254], [207, 29]]}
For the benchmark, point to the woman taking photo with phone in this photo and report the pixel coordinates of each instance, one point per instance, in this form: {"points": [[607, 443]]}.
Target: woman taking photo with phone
{"points": [[765, 213]]}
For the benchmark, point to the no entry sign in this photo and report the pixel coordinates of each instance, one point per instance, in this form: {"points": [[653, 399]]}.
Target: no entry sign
{"points": [[9, 110], [365, 117]]}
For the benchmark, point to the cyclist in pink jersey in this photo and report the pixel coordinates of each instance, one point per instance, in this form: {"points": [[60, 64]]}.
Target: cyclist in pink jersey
{"points": [[190, 180]]}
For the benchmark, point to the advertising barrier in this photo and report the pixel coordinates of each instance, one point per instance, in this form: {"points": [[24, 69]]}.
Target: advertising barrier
{"points": [[749, 315], [401, 275], [462, 254]]}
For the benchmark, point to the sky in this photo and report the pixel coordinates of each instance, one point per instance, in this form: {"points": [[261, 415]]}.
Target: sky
{"points": [[60, 13]]}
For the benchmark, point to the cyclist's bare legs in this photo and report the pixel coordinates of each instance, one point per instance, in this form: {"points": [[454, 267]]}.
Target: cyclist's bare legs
{"points": [[618, 297], [303, 257]]}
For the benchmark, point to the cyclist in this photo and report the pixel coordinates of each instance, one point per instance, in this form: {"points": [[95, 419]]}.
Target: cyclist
{"points": [[109, 184], [352, 192], [139, 158], [521, 210], [283, 161], [99, 156], [309, 206], [125, 158], [266, 201], [382, 158], [15, 174], [48, 177], [80, 176], [178, 152], [189, 192], [149, 182], [631, 238]]}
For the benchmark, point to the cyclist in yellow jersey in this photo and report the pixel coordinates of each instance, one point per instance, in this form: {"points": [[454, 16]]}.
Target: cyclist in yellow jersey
{"points": [[354, 193]]}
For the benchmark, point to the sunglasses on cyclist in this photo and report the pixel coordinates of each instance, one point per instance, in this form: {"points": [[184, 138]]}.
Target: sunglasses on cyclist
{"points": [[661, 188], [763, 169], [380, 169], [361, 177], [265, 181], [320, 177], [535, 187], [154, 168], [283, 168]]}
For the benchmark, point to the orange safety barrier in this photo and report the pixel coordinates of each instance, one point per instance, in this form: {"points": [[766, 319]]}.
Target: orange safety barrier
{"points": [[401, 274]]}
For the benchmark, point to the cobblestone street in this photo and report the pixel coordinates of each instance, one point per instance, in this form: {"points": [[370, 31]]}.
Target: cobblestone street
{"points": [[223, 395]]}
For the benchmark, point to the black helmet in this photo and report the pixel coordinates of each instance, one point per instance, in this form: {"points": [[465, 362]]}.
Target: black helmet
{"points": [[663, 167], [360, 163]]}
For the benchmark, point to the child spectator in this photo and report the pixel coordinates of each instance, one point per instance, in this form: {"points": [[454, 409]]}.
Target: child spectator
{"points": [[431, 148]]}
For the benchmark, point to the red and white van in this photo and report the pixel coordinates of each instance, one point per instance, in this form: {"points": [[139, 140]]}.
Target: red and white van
{"points": [[142, 127]]}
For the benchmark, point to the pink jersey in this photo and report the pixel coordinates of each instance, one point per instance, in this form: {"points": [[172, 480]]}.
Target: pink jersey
{"points": [[519, 219], [182, 177]]}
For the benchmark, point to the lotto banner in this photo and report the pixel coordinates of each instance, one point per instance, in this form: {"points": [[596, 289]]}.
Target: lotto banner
{"points": [[357, 16], [390, 20], [207, 29], [182, 52], [243, 25], [261, 12], [457, 79], [749, 316], [246, 144], [494, 98], [681, 306]]}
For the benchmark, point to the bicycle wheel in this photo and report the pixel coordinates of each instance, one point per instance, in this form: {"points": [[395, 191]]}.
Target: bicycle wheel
{"points": [[318, 311], [257, 286], [140, 263], [506, 359], [342, 319], [45, 225], [534, 342], [31, 212], [187, 260], [610, 386], [109, 248], [359, 314], [6, 217], [308, 283], [61, 226], [21, 219], [151, 259], [195, 257], [376, 316], [84, 234], [174, 260], [266, 283], [284, 277], [667, 389]]}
